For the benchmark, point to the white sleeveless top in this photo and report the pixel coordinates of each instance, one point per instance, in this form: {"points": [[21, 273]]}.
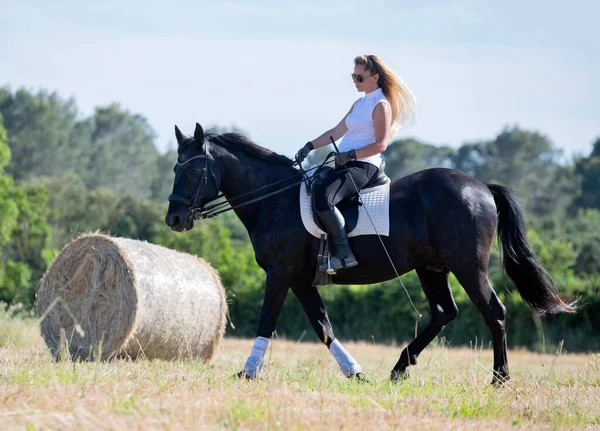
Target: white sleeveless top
{"points": [[361, 131]]}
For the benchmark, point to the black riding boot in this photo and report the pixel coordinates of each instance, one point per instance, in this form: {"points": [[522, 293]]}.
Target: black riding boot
{"points": [[341, 253]]}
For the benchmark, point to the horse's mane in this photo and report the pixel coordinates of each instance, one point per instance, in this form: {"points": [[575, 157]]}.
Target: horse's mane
{"points": [[237, 141]]}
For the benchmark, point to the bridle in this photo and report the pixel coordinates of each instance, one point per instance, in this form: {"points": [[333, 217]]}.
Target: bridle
{"points": [[220, 207], [192, 204]]}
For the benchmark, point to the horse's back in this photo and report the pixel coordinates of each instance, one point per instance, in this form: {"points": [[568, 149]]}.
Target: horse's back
{"points": [[438, 188], [445, 204]]}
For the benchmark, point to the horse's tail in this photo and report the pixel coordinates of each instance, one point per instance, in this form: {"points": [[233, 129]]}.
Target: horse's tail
{"points": [[536, 286]]}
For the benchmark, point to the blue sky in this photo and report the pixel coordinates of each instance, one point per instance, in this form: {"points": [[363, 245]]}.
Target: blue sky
{"points": [[281, 71]]}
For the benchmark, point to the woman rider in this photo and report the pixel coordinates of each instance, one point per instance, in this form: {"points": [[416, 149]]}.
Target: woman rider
{"points": [[366, 129]]}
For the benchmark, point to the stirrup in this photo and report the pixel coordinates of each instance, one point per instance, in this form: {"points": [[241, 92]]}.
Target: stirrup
{"points": [[326, 266], [330, 270]]}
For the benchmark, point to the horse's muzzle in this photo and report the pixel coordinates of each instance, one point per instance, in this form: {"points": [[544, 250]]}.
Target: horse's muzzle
{"points": [[179, 222]]}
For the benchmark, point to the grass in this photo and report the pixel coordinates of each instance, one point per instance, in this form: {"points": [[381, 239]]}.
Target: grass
{"points": [[301, 388]]}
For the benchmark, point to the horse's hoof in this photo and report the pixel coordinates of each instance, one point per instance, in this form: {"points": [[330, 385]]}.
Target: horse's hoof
{"points": [[242, 376], [500, 380], [399, 375], [359, 377]]}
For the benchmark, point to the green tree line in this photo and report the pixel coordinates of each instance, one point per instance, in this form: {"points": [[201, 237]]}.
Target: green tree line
{"points": [[62, 173]]}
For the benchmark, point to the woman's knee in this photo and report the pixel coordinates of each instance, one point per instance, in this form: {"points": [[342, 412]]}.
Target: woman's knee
{"points": [[322, 203]]}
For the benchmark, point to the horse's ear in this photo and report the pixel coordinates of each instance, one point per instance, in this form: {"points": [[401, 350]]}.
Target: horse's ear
{"points": [[199, 135], [179, 135]]}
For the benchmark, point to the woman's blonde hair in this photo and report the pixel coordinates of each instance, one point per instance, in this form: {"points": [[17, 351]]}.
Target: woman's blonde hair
{"points": [[402, 100]]}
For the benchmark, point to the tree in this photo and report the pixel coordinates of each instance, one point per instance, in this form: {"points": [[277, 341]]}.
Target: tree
{"points": [[113, 148], [73, 209], [8, 207], [583, 231], [12, 274], [123, 155], [28, 253], [525, 161], [24, 234], [136, 218], [405, 156], [67, 205], [589, 170], [39, 133], [162, 185]]}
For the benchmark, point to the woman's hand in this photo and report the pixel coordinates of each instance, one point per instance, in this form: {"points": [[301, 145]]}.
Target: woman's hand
{"points": [[345, 157], [303, 153]]}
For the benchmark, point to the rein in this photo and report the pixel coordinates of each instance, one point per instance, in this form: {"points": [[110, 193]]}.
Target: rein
{"points": [[221, 207], [215, 209]]}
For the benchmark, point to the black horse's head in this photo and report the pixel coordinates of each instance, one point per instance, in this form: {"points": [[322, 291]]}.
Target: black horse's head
{"points": [[197, 180]]}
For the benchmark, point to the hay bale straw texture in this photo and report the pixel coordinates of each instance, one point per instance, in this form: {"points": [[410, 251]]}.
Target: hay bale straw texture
{"points": [[106, 297]]}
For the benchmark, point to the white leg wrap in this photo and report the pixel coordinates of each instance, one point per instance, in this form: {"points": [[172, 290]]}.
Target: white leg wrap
{"points": [[346, 362], [256, 359]]}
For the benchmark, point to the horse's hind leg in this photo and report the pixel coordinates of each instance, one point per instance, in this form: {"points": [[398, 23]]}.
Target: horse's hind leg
{"points": [[478, 287], [443, 311]]}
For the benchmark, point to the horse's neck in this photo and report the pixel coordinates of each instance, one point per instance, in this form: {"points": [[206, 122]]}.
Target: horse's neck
{"points": [[243, 174]]}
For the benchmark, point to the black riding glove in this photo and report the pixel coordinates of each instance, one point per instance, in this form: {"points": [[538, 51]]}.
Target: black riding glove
{"points": [[345, 157], [303, 153]]}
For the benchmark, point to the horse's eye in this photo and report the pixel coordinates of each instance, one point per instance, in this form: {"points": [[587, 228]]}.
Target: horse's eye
{"points": [[193, 172]]}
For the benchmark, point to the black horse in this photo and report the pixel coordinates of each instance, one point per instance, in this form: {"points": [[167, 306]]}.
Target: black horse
{"points": [[441, 221]]}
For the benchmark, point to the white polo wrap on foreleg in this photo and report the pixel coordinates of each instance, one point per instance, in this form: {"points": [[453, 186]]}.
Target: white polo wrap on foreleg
{"points": [[346, 362], [255, 361]]}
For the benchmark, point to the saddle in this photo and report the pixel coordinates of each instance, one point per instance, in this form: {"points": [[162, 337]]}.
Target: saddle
{"points": [[374, 193], [348, 207]]}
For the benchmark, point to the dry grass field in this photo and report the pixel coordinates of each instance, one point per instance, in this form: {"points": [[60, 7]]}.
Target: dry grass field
{"points": [[301, 388]]}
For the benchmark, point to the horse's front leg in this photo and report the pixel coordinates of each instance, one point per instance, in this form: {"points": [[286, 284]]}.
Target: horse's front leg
{"points": [[275, 293], [312, 303]]}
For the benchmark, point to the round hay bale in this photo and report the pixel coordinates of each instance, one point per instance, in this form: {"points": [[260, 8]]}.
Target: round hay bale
{"points": [[106, 297]]}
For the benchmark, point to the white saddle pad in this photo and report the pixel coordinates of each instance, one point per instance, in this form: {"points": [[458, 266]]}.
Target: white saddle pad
{"points": [[375, 200]]}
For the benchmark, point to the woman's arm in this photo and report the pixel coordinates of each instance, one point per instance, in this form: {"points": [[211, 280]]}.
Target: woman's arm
{"points": [[337, 132], [382, 122]]}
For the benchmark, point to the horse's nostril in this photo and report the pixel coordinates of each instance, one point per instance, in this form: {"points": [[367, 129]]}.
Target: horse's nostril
{"points": [[173, 221]]}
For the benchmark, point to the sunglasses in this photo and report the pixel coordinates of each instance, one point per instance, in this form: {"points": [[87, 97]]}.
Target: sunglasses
{"points": [[359, 78]]}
